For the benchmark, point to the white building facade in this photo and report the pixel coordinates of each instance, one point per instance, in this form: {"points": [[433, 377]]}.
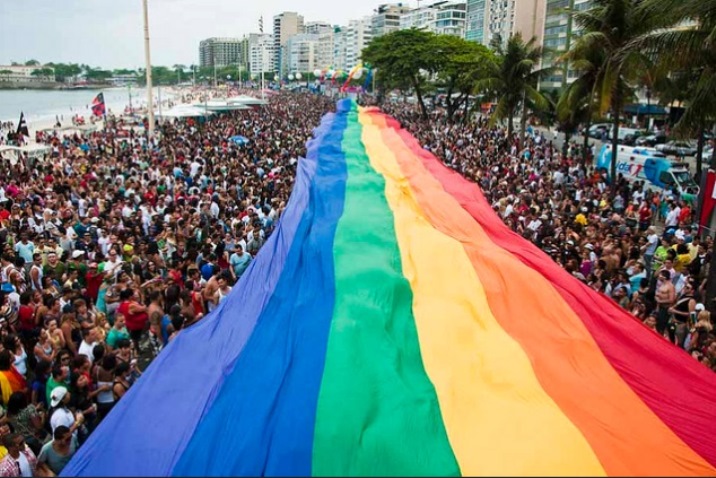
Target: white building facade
{"points": [[285, 25], [490, 20], [358, 34], [443, 18], [386, 18], [340, 60], [302, 53], [262, 56]]}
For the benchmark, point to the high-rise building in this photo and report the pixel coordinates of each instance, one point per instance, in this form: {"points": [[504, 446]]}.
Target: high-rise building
{"points": [[261, 53], [491, 20], [450, 18], [285, 25], [220, 52], [318, 27], [302, 52], [559, 31], [444, 18], [326, 49], [475, 28], [358, 34], [340, 62], [386, 18]]}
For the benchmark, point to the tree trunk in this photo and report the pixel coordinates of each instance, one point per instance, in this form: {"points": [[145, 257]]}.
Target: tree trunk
{"points": [[617, 106], [523, 126], [419, 95], [510, 126], [450, 105], [585, 146], [711, 285], [565, 146], [466, 113], [700, 153]]}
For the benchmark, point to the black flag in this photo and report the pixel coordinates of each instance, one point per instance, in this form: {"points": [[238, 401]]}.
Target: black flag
{"points": [[22, 126]]}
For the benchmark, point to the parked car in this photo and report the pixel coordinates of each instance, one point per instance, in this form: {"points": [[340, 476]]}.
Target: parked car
{"points": [[597, 130], [627, 136], [677, 147], [651, 140]]}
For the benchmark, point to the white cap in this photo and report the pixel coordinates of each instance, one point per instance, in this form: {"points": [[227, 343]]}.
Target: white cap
{"points": [[57, 395], [77, 254]]}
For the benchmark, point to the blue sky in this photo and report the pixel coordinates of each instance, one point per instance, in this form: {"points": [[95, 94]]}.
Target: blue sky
{"points": [[109, 33]]}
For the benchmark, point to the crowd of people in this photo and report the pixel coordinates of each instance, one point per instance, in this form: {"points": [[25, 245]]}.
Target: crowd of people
{"points": [[114, 244], [637, 246]]}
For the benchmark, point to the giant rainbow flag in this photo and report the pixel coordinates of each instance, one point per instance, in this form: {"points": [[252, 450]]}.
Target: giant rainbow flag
{"points": [[393, 325]]}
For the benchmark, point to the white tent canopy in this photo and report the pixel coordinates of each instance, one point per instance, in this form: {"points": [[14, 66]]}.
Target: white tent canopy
{"points": [[220, 105], [185, 111], [245, 100], [31, 151]]}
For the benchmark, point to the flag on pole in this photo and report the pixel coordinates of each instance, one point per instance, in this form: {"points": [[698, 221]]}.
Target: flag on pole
{"points": [[22, 126], [98, 108]]}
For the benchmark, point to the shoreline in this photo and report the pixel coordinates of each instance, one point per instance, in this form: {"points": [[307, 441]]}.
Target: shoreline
{"points": [[175, 95], [8, 86]]}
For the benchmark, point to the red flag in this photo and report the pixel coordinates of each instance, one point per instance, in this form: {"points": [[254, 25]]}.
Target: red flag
{"points": [[98, 108]]}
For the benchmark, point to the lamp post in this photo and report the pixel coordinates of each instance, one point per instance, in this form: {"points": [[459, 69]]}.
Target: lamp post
{"points": [[148, 61]]}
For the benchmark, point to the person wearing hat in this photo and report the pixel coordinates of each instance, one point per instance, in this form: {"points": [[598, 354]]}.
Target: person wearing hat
{"points": [[77, 263], [60, 414]]}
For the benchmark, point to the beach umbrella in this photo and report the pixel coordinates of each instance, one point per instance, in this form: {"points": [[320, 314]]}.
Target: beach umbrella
{"points": [[240, 140]]}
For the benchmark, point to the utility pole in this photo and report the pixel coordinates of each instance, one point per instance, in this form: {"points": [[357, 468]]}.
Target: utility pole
{"points": [[150, 105], [159, 90], [214, 62], [262, 39]]}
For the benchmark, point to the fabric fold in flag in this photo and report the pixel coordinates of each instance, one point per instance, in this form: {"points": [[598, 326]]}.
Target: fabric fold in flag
{"points": [[394, 326]]}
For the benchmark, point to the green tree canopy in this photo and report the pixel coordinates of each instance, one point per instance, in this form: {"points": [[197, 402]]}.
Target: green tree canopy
{"points": [[460, 64], [43, 72], [404, 59], [512, 81]]}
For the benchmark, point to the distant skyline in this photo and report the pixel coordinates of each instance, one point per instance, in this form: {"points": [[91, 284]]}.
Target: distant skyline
{"points": [[109, 33]]}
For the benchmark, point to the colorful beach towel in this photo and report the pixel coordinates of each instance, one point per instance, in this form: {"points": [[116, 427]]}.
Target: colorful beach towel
{"points": [[392, 325]]}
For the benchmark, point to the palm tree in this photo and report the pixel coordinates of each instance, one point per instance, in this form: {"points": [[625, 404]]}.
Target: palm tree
{"points": [[583, 93], [689, 52], [609, 29], [572, 108], [512, 81]]}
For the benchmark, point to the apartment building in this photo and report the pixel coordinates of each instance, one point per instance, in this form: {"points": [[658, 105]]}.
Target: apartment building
{"points": [[444, 18], [302, 53], [559, 33], [490, 20], [262, 55], [386, 18], [221, 52], [285, 25], [358, 35]]}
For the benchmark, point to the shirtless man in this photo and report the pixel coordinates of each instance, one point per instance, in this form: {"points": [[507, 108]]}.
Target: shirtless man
{"points": [[665, 297]]}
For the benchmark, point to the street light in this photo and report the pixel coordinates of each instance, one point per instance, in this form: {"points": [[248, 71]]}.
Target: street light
{"points": [[147, 58]]}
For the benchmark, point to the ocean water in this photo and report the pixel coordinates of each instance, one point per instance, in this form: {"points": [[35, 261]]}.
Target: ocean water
{"points": [[41, 105]]}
